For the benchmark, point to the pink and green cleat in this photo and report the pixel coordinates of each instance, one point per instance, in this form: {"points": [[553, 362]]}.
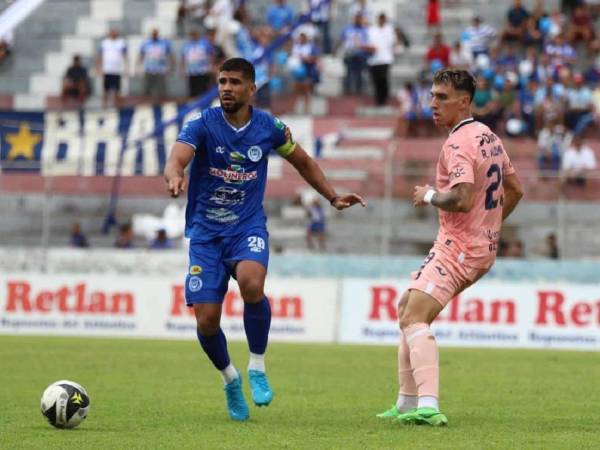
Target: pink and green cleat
{"points": [[423, 416], [389, 414]]}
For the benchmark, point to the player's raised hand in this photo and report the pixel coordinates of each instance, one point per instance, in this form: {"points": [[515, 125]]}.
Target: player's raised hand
{"points": [[175, 185], [346, 201], [419, 195]]}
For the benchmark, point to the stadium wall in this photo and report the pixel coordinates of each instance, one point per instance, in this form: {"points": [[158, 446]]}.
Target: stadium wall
{"points": [[495, 312]]}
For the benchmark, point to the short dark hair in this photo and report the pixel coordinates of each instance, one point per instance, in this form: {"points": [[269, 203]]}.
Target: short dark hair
{"points": [[461, 80], [239, 65]]}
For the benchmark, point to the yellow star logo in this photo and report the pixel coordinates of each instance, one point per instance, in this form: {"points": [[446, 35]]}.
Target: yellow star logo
{"points": [[23, 143], [77, 399]]}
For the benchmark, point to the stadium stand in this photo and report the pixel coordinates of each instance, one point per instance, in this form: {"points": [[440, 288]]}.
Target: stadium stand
{"points": [[353, 140]]}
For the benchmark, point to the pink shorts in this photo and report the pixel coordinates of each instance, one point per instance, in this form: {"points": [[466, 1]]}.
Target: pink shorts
{"points": [[443, 275]]}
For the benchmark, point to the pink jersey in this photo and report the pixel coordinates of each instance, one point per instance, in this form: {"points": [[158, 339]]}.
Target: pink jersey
{"points": [[474, 154]]}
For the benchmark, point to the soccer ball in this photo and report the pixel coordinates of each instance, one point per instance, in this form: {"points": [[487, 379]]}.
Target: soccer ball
{"points": [[65, 404]]}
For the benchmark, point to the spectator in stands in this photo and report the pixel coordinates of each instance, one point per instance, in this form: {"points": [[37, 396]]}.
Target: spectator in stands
{"points": [[157, 59], [581, 27], [125, 237], [526, 102], [461, 57], [544, 69], [354, 40], [304, 69], [433, 16], [438, 51], [6, 44], [555, 24], [280, 17], [516, 23], [479, 36], [533, 36], [76, 83], [190, 10], [361, 8], [561, 53], [580, 102], [508, 59], [515, 249], [407, 109], [180, 18], [549, 103], [552, 251], [578, 161], [485, 106], [316, 226], [111, 64], [161, 241], [415, 112], [553, 141], [264, 69], [527, 66], [320, 16], [382, 41], [77, 238], [197, 62]]}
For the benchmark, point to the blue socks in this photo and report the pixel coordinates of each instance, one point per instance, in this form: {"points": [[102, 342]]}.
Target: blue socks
{"points": [[257, 321], [215, 347]]}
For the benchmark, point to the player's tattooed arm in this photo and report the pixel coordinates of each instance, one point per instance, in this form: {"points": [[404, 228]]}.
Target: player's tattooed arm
{"points": [[312, 173], [458, 199], [513, 192], [180, 156]]}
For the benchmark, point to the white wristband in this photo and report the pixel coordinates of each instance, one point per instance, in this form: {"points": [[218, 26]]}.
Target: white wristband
{"points": [[429, 195]]}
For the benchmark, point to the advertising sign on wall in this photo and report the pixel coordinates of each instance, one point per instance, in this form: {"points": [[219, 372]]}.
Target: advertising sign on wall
{"points": [[303, 311], [488, 314]]}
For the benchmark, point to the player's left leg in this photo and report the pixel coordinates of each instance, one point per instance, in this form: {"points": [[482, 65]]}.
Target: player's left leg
{"points": [[250, 276]]}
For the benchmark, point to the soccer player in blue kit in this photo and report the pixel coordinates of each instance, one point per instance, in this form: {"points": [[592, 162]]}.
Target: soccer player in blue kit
{"points": [[226, 223]]}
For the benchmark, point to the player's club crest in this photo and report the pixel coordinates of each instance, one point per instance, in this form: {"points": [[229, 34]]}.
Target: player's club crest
{"points": [[254, 153]]}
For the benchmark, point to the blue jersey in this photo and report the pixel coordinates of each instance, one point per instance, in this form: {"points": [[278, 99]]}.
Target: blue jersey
{"points": [[197, 56], [155, 53], [229, 171]]}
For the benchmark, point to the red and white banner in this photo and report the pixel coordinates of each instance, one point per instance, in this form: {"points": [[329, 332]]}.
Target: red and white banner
{"points": [[303, 310], [488, 314]]}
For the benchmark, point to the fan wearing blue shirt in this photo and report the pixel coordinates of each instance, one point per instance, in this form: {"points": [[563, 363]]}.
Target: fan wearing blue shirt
{"points": [[197, 56], [157, 59], [229, 147]]}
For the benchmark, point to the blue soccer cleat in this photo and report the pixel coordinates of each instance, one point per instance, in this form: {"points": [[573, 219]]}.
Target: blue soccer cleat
{"points": [[236, 403], [259, 385]]}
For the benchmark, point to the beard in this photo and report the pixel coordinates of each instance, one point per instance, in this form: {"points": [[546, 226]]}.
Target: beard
{"points": [[233, 107]]}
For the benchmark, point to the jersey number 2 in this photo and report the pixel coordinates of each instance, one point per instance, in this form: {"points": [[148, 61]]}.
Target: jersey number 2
{"points": [[490, 203]]}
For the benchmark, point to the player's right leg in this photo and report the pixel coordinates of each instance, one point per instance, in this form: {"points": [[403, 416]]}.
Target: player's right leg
{"points": [[205, 287], [420, 311], [407, 394]]}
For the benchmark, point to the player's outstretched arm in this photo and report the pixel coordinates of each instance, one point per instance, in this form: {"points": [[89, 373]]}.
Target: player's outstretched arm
{"points": [[180, 157], [312, 173], [513, 193], [458, 199]]}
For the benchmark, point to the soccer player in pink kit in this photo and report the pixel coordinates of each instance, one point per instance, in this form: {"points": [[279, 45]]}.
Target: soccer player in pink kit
{"points": [[476, 189]]}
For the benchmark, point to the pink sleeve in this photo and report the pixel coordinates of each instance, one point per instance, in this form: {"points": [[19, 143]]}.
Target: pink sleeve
{"points": [[460, 167]]}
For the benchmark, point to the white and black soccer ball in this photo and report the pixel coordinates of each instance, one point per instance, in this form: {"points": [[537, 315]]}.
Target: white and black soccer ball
{"points": [[65, 404]]}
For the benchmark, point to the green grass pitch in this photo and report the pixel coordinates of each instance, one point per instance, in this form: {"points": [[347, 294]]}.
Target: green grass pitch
{"points": [[148, 394]]}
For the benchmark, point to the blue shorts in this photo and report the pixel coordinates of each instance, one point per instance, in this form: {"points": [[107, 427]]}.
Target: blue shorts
{"points": [[317, 227], [213, 262]]}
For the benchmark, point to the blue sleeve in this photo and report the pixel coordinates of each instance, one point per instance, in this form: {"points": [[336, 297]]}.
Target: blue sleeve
{"points": [[281, 137], [168, 47], [193, 133], [143, 48]]}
